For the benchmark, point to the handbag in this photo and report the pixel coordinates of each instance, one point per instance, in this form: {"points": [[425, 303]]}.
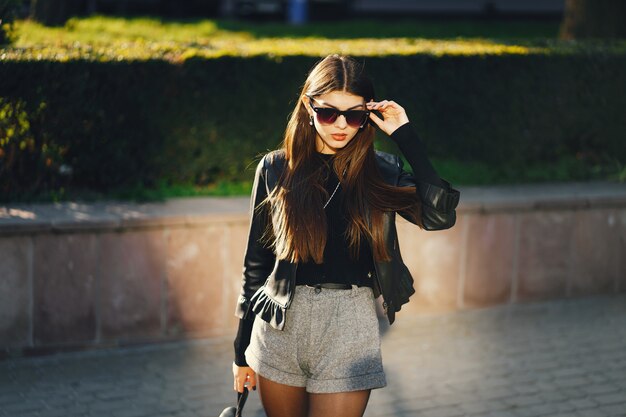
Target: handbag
{"points": [[236, 411]]}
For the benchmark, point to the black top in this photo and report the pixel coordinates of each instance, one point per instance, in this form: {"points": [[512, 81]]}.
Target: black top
{"points": [[338, 266]]}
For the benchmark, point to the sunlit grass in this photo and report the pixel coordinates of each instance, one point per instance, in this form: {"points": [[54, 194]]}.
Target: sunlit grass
{"points": [[273, 47], [114, 38], [564, 168], [163, 191], [140, 193], [465, 173], [99, 30]]}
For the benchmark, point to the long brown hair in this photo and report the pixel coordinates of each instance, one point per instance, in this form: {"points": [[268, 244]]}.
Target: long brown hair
{"points": [[299, 225]]}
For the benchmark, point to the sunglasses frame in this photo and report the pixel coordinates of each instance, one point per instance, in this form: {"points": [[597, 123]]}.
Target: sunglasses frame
{"points": [[338, 113]]}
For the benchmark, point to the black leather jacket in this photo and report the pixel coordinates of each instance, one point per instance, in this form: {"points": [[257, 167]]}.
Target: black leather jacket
{"points": [[268, 283]]}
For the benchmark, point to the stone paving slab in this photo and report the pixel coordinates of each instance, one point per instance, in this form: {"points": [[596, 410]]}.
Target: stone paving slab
{"points": [[556, 358]]}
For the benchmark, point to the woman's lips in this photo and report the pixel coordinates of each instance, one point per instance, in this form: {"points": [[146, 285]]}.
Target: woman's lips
{"points": [[339, 137]]}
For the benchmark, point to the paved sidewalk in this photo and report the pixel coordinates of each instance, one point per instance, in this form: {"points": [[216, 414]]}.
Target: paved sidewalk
{"points": [[558, 358]]}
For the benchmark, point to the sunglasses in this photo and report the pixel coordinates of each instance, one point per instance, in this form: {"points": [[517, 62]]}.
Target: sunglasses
{"points": [[328, 115]]}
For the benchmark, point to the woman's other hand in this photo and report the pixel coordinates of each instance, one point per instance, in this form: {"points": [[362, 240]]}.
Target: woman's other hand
{"points": [[393, 114], [244, 375]]}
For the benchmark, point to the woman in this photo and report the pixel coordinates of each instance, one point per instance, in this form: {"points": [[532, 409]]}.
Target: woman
{"points": [[322, 246]]}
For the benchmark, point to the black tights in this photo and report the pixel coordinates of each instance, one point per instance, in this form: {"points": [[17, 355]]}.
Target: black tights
{"points": [[281, 400]]}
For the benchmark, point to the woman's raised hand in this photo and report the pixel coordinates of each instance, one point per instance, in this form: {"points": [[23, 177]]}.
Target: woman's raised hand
{"points": [[244, 375], [393, 114]]}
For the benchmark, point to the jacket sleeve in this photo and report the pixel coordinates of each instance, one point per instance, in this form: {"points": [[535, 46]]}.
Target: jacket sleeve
{"points": [[258, 259], [439, 199]]}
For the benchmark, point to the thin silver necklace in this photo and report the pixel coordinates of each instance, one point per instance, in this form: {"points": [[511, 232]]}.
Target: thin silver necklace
{"points": [[336, 188]]}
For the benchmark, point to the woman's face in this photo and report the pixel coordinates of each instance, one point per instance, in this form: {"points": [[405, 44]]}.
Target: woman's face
{"points": [[336, 135]]}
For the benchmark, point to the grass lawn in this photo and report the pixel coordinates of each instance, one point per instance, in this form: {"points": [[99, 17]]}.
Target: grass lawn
{"points": [[457, 172]]}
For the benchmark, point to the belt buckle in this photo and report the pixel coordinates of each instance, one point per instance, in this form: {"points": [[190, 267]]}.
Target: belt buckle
{"points": [[318, 288]]}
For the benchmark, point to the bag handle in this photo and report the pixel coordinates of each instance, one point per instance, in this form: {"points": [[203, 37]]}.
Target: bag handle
{"points": [[241, 401]]}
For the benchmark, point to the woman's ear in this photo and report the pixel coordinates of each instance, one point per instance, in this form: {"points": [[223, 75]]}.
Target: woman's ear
{"points": [[307, 106]]}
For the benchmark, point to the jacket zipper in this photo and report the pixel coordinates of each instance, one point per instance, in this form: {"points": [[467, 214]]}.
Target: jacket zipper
{"points": [[385, 306], [293, 287], [380, 287]]}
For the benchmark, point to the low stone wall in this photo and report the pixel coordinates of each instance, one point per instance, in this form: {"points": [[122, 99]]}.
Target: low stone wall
{"points": [[81, 275]]}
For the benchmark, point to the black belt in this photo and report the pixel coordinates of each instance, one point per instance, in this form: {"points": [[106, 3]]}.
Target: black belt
{"points": [[331, 285]]}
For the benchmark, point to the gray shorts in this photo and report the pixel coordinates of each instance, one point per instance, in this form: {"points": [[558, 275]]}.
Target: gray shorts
{"points": [[330, 342]]}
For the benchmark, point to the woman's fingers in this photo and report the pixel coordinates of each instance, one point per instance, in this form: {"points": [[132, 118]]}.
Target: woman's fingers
{"points": [[240, 381], [236, 378], [382, 124], [376, 119], [386, 107], [252, 381], [393, 115], [376, 105], [243, 375], [380, 105]]}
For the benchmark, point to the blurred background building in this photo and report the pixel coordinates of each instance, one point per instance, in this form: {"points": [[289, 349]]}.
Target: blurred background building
{"points": [[393, 7], [317, 8]]}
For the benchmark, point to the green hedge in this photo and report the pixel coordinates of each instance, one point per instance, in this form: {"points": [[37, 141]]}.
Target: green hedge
{"points": [[8, 12], [108, 125]]}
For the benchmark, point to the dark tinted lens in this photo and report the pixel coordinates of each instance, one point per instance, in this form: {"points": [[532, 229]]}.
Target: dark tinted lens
{"points": [[355, 117], [326, 115]]}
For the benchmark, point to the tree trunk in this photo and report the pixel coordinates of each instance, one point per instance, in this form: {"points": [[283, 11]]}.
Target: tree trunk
{"points": [[594, 19]]}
